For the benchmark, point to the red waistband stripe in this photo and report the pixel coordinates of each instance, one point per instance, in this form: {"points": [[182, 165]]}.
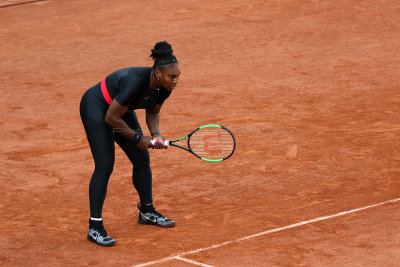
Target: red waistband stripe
{"points": [[104, 91]]}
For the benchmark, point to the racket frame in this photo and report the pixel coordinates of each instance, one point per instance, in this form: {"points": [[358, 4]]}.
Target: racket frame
{"points": [[188, 149]]}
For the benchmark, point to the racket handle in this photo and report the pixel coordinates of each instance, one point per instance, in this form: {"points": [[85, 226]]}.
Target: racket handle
{"points": [[165, 143]]}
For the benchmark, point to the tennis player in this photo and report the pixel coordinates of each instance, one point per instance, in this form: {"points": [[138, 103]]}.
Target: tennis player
{"points": [[108, 114]]}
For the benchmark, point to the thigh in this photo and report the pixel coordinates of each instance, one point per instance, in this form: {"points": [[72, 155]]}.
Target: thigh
{"points": [[99, 134], [127, 145], [101, 141]]}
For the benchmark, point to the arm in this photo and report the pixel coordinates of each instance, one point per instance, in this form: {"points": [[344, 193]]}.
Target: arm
{"points": [[114, 119], [152, 121]]}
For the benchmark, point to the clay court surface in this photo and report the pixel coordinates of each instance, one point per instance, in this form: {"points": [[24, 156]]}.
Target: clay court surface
{"points": [[311, 90]]}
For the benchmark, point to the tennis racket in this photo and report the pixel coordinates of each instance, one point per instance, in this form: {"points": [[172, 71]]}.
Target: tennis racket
{"points": [[211, 143]]}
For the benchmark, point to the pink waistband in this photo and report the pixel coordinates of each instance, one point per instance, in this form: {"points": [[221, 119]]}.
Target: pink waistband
{"points": [[104, 90]]}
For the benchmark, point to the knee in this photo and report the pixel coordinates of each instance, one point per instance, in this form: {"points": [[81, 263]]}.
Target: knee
{"points": [[104, 168]]}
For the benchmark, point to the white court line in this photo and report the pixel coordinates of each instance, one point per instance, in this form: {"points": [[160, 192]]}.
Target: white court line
{"points": [[266, 232], [192, 262]]}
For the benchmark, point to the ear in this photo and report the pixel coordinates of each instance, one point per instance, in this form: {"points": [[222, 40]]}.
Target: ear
{"points": [[158, 73]]}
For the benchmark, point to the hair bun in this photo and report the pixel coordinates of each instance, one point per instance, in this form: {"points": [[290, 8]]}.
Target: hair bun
{"points": [[161, 50]]}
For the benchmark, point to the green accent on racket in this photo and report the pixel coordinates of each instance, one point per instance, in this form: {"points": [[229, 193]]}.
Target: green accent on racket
{"points": [[210, 125], [179, 139], [212, 160]]}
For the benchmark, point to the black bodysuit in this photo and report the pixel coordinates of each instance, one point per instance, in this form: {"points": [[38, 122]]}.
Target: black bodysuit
{"points": [[130, 88]]}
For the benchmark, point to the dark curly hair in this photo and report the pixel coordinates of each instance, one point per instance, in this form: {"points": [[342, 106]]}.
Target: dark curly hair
{"points": [[162, 55]]}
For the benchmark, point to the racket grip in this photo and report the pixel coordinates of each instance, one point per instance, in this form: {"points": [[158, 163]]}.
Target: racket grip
{"points": [[165, 143]]}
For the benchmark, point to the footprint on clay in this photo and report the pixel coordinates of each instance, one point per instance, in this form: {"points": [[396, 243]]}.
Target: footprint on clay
{"points": [[292, 152]]}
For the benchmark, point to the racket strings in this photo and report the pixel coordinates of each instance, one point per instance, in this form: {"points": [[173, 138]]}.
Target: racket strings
{"points": [[212, 143]]}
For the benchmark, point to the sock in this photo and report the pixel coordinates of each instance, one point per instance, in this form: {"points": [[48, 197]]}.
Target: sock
{"points": [[95, 224], [146, 208]]}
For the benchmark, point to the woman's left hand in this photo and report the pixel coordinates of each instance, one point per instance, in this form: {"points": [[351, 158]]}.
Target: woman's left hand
{"points": [[159, 144]]}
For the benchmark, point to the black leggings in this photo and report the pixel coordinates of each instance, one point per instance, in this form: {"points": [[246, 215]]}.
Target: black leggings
{"points": [[101, 140]]}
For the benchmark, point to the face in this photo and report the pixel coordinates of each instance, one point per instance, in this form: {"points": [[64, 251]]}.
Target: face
{"points": [[169, 77]]}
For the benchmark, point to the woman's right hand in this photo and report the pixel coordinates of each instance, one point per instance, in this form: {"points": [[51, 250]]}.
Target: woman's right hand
{"points": [[145, 142]]}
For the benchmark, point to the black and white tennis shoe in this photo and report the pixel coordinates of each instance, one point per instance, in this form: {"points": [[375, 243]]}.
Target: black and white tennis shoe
{"points": [[97, 234], [152, 217]]}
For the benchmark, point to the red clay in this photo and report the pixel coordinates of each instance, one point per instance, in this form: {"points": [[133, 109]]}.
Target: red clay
{"points": [[6, 3], [309, 88]]}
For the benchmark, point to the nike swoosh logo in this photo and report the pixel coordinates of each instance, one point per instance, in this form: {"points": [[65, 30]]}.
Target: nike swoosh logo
{"points": [[146, 98], [150, 219]]}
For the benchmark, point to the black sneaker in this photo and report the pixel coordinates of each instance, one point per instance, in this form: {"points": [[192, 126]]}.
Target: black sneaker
{"points": [[148, 215], [98, 235]]}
